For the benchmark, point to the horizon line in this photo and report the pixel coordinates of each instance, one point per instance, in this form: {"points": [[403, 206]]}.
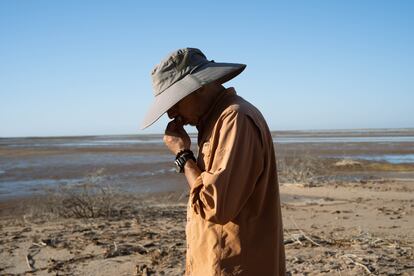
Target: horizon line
{"points": [[193, 133]]}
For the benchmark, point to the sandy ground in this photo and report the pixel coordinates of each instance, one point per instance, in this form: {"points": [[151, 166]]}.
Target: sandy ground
{"points": [[351, 229], [337, 229]]}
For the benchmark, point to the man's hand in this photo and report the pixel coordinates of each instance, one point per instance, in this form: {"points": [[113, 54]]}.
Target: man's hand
{"points": [[176, 138]]}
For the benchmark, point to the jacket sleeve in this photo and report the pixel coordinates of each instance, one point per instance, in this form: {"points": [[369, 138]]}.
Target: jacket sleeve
{"points": [[220, 193]]}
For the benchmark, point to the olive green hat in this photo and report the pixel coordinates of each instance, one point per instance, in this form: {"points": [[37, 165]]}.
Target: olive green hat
{"points": [[181, 73]]}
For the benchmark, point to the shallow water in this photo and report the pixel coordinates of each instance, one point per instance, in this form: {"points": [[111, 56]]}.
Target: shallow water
{"points": [[389, 158], [96, 159], [383, 139], [28, 187], [125, 141], [85, 142], [141, 163]]}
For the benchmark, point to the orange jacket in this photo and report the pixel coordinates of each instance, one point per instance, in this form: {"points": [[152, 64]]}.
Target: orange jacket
{"points": [[234, 222]]}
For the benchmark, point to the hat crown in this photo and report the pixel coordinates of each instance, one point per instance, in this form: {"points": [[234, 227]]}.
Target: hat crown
{"points": [[176, 66], [181, 73]]}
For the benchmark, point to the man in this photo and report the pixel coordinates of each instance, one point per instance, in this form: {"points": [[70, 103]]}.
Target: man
{"points": [[234, 224]]}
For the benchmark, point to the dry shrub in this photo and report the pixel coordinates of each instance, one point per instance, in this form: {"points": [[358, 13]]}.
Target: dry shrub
{"points": [[303, 169], [81, 201], [90, 199]]}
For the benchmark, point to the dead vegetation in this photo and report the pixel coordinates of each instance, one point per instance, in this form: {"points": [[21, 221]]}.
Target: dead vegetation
{"points": [[303, 169], [153, 243], [311, 171], [150, 240], [93, 198], [150, 236], [360, 253]]}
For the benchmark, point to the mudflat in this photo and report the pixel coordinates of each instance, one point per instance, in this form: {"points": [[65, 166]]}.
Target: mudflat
{"points": [[347, 206]]}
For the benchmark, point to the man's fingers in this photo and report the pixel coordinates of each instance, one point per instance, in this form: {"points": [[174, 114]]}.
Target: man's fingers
{"points": [[175, 126], [176, 138], [171, 127], [173, 131]]}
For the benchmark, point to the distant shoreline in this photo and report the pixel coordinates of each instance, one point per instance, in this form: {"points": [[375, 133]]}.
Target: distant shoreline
{"points": [[294, 131]]}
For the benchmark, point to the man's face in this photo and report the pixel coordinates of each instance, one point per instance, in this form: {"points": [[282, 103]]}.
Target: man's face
{"points": [[186, 108]]}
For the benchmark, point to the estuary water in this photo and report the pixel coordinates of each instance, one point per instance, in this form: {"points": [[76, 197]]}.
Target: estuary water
{"points": [[141, 163]]}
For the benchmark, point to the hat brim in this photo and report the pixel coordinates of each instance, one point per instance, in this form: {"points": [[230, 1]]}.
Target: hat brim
{"points": [[210, 72]]}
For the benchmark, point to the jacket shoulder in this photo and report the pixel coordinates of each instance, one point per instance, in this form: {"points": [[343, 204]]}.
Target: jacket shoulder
{"points": [[240, 106]]}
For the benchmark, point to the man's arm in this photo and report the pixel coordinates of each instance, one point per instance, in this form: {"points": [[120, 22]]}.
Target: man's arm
{"points": [[177, 139], [192, 172]]}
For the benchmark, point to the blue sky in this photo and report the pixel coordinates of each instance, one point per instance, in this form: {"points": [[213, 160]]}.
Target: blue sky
{"points": [[83, 67]]}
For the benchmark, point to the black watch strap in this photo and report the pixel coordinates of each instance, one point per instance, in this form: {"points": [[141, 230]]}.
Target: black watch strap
{"points": [[182, 158]]}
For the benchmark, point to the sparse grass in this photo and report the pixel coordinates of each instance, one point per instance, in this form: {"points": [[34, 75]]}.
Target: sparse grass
{"points": [[312, 171], [390, 167], [89, 199], [303, 169], [364, 165]]}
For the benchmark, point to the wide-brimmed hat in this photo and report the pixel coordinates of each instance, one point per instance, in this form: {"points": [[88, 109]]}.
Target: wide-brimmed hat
{"points": [[181, 73]]}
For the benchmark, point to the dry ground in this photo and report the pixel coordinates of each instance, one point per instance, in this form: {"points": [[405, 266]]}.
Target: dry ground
{"points": [[341, 229]]}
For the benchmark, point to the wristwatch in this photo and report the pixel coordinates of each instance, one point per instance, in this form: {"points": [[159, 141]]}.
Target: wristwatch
{"points": [[182, 158]]}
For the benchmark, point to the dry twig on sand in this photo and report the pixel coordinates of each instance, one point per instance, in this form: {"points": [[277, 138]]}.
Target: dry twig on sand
{"points": [[303, 233], [348, 257], [30, 262]]}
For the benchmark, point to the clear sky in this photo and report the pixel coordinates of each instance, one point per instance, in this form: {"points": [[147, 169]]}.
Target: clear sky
{"points": [[83, 67]]}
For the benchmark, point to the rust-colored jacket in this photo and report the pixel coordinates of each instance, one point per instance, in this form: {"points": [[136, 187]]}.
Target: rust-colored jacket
{"points": [[234, 222]]}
